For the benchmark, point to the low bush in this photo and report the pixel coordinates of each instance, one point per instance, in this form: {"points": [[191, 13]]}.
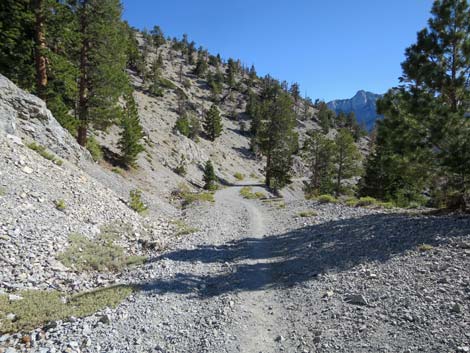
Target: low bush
{"points": [[60, 204], [366, 201], [188, 197], [239, 176], [183, 228], [246, 192], [327, 199], [42, 151], [99, 254], [136, 202], [39, 307], [307, 213], [95, 149], [425, 247]]}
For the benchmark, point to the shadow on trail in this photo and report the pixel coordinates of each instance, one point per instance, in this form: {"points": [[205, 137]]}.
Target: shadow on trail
{"points": [[302, 254]]}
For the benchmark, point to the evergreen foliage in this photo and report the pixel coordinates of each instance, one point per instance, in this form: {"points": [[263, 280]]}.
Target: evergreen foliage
{"points": [[210, 178], [213, 123], [319, 151], [423, 141], [131, 133], [346, 158]]}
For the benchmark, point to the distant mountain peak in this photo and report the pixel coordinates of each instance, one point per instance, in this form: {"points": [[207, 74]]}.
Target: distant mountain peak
{"points": [[363, 104]]}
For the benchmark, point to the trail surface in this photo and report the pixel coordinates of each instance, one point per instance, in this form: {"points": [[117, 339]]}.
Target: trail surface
{"points": [[257, 277]]}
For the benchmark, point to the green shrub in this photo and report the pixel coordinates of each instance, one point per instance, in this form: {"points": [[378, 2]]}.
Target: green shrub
{"points": [[366, 201], [386, 205], [351, 202], [188, 197], [239, 176], [183, 228], [246, 192], [136, 202], [425, 247], [40, 307], [180, 169], [42, 151], [117, 170], [182, 125], [60, 204], [327, 199], [95, 149], [307, 213], [100, 254]]}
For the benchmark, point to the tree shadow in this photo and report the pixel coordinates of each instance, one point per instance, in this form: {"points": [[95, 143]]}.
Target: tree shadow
{"points": [[289, 259]]}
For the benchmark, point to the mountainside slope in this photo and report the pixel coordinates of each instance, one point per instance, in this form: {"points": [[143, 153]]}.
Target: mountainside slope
{"points": [[45, 197], [363, 104]]}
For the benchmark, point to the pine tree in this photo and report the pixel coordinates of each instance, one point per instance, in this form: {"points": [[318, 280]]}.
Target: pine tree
{"points": [[17, 42], [102, 63], [210, 178], [157, 36], [295, 93], [431, 107], [232, 71], [319, 156], [346, 159], [201, 66], [276, 137], [325, 117], [131, 133], [213, 123]]}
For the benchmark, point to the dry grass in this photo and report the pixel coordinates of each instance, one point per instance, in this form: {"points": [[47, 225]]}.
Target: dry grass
{"points": [[39, 307]]}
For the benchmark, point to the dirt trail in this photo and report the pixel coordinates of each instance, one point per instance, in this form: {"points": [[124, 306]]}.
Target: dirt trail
{"points": [[262, 312]]}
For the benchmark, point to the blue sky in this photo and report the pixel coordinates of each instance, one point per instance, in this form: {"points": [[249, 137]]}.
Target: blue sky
{"points": [[331, 48]]}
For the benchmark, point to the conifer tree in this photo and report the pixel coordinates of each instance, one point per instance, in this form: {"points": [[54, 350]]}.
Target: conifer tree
{"points": [[346, 158], [157, 36], [430, 111], [325, 117], [131, 133], [319, 152], [102, 63], [201, 66], [209, 178], [213, 123], [17, 42], [277, 139]]}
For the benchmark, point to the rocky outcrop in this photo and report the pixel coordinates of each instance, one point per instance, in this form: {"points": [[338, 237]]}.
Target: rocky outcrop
{"points": [[25, 115], [363, 104]]}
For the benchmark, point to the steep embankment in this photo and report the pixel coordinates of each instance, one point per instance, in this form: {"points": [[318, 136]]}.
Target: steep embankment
{"points": [[45, 197]]}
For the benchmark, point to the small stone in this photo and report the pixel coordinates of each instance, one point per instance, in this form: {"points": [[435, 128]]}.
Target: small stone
{"points": [[14, 297], [105, 320], [4, 237], [50, 325], [464, 349], [280, 339], [408, 317], [456, 308], [27, 170], [356, 299], [328, 294], [11, 316]]}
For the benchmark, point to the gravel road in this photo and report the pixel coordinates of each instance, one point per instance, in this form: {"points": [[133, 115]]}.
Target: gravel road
{"points": [[257, 277]]}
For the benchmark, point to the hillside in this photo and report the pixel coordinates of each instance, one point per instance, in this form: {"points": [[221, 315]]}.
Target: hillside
{"points": [[166, 148], [363, 104]]}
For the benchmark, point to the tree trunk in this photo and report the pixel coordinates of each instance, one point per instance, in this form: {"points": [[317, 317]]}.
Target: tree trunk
{"points": [[40, 49], [268, 169], [83, 85]]}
